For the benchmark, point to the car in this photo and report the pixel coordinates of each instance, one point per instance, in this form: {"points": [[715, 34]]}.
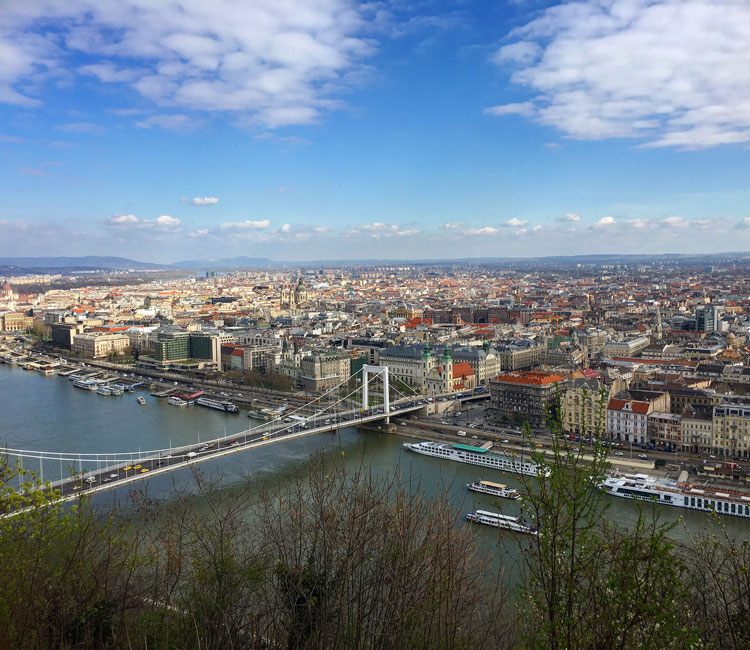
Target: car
{"points": [[127, 468], [506, 441], [403, 424], [191, 454], [643, 456], [144, 470], [576, 449], [233, 443], [114, 475], [475, 437], [90, 479], [443, 422], [461, 433], [136, 467], [619, 453], [712, 456]]}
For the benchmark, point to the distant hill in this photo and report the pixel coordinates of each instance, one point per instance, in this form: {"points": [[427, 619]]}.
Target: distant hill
{"points": [[92, 262], [227, 263]]}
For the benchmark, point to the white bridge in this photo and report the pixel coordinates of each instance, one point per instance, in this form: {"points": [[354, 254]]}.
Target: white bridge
{"points": [[94, 472]]}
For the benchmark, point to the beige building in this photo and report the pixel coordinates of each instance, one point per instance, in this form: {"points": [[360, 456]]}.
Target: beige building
{"points": [[697, 430], [324, 370], [665, 430], [98, 345], [731, 431], [16, 322], [583, 406], [627, 348]]}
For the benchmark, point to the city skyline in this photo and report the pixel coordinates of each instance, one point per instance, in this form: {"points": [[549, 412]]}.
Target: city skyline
{"points": [[343, 130]]}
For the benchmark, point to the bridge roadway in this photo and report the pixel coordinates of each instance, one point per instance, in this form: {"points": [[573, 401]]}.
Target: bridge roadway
{"points": [[122, 473]]}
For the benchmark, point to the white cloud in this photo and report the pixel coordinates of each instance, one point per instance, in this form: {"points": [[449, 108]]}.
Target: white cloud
{"points": [[204, 200], [379, 230], [174, 122], [272, 63], [245, 225], [675, 222], [570, 217], [286, 228], [515, 223], [673, 72], [487, 230], [604, 222], [453, 225], [521, 108], [122, 219], [537, 228], [82, 127], [165, 222]]}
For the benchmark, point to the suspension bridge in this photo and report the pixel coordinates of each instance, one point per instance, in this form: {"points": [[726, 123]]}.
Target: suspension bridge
{"points": [[86, 473]]}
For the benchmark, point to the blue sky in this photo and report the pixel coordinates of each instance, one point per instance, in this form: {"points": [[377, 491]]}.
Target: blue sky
{"points": [[329, 129]]}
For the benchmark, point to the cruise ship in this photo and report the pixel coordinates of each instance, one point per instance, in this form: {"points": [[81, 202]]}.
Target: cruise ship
{"points": [[681, 495], [501, 521], [494, 489], [219, 405], [475, 456]]}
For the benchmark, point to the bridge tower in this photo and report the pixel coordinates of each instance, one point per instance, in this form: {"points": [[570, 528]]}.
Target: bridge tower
{"points": [[368, 370]]}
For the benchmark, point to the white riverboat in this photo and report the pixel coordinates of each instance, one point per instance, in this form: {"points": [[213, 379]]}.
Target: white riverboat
{"points": [[176, 401], [141, 400], [494, 489], [103, 390], [498, 520], [476, 456], [219, 405], [667, 492], [86, 385]]}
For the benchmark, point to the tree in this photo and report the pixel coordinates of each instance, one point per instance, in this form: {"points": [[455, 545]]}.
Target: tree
{"points": [[587, 582]]}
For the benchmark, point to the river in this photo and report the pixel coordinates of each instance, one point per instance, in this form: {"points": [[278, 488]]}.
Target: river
{"points": [[49, 413]]}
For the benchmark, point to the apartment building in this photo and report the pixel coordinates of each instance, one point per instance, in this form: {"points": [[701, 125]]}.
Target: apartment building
{"points": [[98, 345], [524, 396]]}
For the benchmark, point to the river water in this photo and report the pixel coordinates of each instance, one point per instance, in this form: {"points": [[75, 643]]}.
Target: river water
{"points": [[49, 413]]}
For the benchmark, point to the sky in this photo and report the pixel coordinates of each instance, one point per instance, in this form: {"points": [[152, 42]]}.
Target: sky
{"points": [[406, 129]]}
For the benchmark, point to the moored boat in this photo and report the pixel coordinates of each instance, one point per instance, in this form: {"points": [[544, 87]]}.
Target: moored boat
{"points": [[667, 492], [176, 401], [219, 405], [494, 489], [476, 456]]}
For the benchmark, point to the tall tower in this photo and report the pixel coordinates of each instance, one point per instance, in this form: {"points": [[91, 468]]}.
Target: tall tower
{"points": [[658, 323]]}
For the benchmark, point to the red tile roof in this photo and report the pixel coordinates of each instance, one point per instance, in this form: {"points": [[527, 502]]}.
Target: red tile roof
{"points": [[636, 407], [531, 378]]}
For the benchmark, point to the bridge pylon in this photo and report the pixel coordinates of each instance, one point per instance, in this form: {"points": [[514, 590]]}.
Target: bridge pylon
{"points": [[382, 371]]}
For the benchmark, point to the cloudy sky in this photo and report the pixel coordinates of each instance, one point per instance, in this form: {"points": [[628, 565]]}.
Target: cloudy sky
{"points": [[320, 129]]}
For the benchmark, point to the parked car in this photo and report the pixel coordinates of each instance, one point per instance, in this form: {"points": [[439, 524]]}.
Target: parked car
{"points": [[461, 433], [643, 456]]}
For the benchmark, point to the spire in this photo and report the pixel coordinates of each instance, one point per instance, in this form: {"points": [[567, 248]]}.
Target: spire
{"points": [[426, 351], [447, 354]]}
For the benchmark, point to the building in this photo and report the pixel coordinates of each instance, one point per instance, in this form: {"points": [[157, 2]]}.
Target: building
{"points": [[64, 333], [519, 354], [681, 399], [483, 361], [665, 430], [627, 420], [98, 345], [324, 370], [464, 377], [707, 318], [697, 430], [180, 346], [16, 322], [583, 407], [731, 431], [409, 363], [524, 396], [627, 348], [593, 341]]}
